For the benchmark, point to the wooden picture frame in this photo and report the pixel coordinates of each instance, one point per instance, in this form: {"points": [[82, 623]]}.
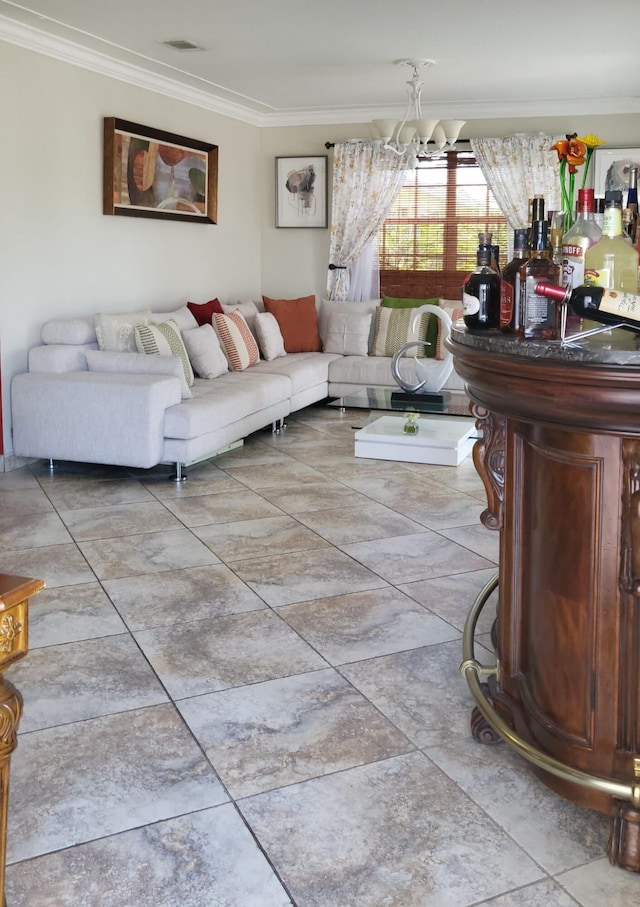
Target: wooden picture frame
{"points": [[301, 191], [152, 173], [612, 169]]}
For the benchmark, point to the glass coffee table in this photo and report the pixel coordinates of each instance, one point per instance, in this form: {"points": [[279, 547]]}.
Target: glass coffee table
{"points": [[393, 399]]}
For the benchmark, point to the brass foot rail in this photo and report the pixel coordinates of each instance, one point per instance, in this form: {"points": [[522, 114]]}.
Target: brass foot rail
{"points": [[473, 671]]}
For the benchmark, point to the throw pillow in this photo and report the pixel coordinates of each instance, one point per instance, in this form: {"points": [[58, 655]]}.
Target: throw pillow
{"points": [[298, 322], [269, 337], [203, 312], [393, 330], [348, 334], [248, 310], [237, 341], [137, 364], [182, 317], [397, 302], [68, 330], [205, 353], [164, 340], [116, 332]]}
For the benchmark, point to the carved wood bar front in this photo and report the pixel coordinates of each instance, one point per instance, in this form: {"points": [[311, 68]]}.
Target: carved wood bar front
{"points": [[560, 460]]}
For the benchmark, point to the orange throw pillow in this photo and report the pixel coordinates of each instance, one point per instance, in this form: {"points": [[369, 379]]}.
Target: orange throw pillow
{"points": [[298, 323]]}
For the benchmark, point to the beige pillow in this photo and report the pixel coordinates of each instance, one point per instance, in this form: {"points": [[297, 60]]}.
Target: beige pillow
{"points": [[348, 334], [164, 340], [248, 310], [205, 353], [269, 337], [182, 317], [393, 330], [117, 332]]}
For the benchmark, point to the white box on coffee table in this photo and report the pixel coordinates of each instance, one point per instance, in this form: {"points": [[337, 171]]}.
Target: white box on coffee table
{"points": [[441, 440]]}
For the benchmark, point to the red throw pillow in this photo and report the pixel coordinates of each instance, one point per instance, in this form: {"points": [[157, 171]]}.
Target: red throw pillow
{"points": [[203, 313], [298, 323]]}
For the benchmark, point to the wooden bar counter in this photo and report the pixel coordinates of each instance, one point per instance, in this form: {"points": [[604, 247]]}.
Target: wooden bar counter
{"points": [[560, 460]]}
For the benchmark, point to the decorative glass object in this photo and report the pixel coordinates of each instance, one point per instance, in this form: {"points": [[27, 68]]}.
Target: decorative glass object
{"points": [[411, 426]]}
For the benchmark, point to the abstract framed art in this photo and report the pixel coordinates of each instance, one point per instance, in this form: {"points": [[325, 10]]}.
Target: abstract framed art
{"points": [[301, 191], [612, 169], [152, 173]]}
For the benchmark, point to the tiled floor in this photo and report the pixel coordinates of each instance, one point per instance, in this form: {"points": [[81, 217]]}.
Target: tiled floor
{"points": [[244, 692]]}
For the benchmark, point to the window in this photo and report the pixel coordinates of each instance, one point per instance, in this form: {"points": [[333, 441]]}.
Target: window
{"points": [[428, 242]]}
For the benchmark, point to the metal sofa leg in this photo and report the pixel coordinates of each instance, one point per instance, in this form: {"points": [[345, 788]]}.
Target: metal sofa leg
{"points": [[179, 475]]}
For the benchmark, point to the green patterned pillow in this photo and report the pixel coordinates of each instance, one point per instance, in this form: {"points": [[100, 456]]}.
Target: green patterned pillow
{"points": [[396, 302], [393, 330], [164, 340]]}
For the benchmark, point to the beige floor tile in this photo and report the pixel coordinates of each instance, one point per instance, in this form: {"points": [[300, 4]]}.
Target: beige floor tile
{"points": [[227, 507], [116, 520], [283, 731], [363, 523], [263, 537], [57, 565], [153, 552], [70, 613]]}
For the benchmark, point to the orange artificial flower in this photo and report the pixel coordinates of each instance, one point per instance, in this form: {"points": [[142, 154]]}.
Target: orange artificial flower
{"points": [[572, 150]]}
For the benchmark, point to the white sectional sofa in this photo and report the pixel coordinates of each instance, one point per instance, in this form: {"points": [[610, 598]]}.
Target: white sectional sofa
{"points": [[84, 404]]}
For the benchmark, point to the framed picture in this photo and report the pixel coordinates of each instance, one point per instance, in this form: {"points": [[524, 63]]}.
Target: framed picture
{"points": [[152, 173], [612, 169], [301, 191]]}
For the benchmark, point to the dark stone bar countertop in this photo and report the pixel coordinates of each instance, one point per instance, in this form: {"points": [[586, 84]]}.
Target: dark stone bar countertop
{"points": [[614, 348]]}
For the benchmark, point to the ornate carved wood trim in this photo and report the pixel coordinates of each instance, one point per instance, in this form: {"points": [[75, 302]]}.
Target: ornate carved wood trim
{"points": [[489, 458]]}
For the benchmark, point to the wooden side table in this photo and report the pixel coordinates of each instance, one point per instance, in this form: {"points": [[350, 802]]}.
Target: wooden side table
{"points": [[15, 592]]}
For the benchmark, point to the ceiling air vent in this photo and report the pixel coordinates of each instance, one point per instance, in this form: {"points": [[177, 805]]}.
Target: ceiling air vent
{"points": [[182, 44]]}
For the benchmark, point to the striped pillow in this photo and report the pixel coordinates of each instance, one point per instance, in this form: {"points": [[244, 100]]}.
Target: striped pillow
{"points": [[393, 330], [164, 340], [237, 341]]}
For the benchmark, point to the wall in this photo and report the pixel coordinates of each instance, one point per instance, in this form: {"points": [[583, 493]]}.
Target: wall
{"points": [[59, 255]]}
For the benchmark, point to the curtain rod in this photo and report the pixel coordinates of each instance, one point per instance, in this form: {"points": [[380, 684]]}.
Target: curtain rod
{"points": [[462, 145]]}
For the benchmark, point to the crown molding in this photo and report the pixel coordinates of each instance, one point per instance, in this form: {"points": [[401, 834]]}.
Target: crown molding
{"points": [[41, 42]]}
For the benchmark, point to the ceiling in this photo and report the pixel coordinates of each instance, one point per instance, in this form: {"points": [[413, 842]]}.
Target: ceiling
{"points": [[286, 62]]}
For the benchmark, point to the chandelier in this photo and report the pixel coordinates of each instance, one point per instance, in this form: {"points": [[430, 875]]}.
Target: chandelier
{"points": [[413, 133]]}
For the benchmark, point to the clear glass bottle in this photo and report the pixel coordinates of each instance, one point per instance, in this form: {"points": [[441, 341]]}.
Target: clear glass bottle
{"points": [[575, 242], [632, 205], [538, 314], [612, 262], [481, 292], [510, 283]]}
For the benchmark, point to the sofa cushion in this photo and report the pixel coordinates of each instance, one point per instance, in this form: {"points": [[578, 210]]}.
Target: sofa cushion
{"points": [[182, 317], [137, 364], [304, 370], [433, 325], [226, 400], [205, 353], [247, 309], [68, 330], [348, 333], [394, 329], [269, 337], [164, 340], [298, 321], [362, 307], [117, 332], [203, 312], [60, 357], [237, 341]]}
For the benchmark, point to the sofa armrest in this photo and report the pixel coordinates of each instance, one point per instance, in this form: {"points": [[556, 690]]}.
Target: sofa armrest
{"points": [[92, 417]]}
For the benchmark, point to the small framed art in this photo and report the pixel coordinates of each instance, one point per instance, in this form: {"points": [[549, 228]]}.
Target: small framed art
{"points": [[301, 191], [152, 173], [612, 169]]}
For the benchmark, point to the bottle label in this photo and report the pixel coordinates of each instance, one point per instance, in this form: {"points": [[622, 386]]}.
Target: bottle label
{"points": [[627, 305], [506, 303], [596, 278], [470, 304]]}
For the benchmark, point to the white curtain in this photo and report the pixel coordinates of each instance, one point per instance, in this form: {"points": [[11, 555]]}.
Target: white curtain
{"points": [[516, 169], [366, 180]]}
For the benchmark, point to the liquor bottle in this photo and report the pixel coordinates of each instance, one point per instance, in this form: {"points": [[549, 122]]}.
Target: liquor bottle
{"points": [[598, 304], [612, 262], [481, 292], [510, 283], [536, 213], [538, 314], [555, 237], [495, 258], [598, 214], [632, 204], [578, 238]]}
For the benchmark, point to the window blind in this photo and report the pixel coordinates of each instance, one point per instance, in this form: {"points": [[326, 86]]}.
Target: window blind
{"points": [[429, 240]]}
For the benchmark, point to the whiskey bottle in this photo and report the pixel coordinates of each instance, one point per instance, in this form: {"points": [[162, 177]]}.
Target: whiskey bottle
{"points": [[510, 283], [481, 292], [538, 314]]}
